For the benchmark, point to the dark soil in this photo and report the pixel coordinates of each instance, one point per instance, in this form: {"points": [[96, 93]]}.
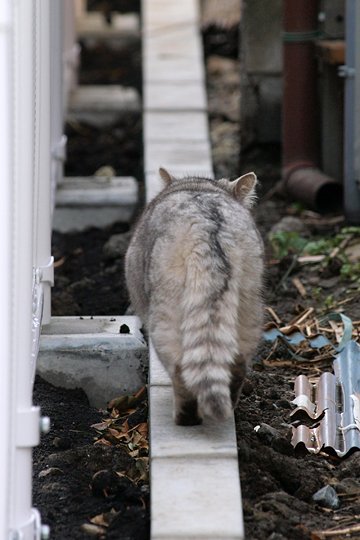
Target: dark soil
{"points": [[277, 483]]}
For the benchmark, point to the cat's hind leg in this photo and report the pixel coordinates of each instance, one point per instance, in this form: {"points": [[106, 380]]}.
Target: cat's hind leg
{"points": [[186, 405]]}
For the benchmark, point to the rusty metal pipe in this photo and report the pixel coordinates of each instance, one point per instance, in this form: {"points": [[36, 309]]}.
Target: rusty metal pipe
{"points": [[302, 178]]}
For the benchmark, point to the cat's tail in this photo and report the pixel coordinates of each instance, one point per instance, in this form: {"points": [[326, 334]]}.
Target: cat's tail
{"points": [[209, 333]]}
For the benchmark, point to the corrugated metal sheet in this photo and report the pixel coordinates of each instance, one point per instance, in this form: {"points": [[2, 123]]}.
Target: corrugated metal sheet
{"points": [[327, 416]]}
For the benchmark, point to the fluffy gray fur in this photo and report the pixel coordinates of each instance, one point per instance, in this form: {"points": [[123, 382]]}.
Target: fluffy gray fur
{"points": [[194, 273]]}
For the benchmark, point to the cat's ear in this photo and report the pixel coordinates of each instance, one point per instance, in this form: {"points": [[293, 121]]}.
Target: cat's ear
{"points": [[165, 176], [243, 189]]}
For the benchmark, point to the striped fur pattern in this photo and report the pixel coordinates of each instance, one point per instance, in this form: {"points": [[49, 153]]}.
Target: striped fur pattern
{"points": [[194, 273]]}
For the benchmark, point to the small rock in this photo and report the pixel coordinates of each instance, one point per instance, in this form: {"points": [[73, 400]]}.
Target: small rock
{"points": [[267, 433], [348, 485], [283, 404], [282, 446], [105, 170], [327, 497], [51, 471], [93, 530], [247, 388], [329, 282], [117, 245], [63, 443], [290, 224]]}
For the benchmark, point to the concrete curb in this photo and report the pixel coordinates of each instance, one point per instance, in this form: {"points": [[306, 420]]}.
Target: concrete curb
{"points": [[91, 353], [94, 201], [195, 489]]}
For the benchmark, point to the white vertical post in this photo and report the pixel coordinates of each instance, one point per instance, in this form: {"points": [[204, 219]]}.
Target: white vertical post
{"points": [[6, 274], [42, 212], [71, 50], [58, 139], [26, 422]]}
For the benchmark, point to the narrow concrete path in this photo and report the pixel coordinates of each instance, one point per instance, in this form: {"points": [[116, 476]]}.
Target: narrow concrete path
{"points": [[195, 489]]}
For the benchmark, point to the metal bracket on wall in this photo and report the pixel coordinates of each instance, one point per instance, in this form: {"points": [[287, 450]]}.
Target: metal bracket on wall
{"points": [[45, 274], [346, 72]]}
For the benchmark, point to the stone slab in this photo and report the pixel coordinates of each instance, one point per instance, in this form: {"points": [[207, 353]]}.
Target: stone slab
{"points": [[172, 69], [182, 157], [157, 374], [196, 499], [101, 105], [212, 439], [169, 96], [100, 97], [91, 353], [83, 202], [161, 14], [94, 25], [175, 126], [181, 41]]}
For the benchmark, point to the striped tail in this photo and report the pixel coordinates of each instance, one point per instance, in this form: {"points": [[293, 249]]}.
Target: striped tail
{"points": [[209, 332]]}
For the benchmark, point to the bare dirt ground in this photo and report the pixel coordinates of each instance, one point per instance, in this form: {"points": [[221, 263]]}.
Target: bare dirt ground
{"points": [[91, 481]]}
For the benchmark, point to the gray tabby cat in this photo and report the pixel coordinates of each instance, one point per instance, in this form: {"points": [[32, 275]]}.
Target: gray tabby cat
{"points": [[194, 273]]}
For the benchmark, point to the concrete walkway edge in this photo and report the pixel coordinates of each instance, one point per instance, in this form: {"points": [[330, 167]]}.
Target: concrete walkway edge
{"points": [[195, 487]]}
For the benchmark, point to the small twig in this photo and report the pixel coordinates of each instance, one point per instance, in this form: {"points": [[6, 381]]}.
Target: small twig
{"points": [[287, 273], [335, 532], [299, 286], [273, 314]]}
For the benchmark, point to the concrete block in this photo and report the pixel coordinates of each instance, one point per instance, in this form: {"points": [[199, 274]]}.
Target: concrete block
{"points": [[160, 14], [173, 69], [83, 202], [175, 42], [169, 96], [101, 105], [212, 439], [195, 498], [94, 25], [157, 374], [91, 353], [175, 126], [182, 157]]}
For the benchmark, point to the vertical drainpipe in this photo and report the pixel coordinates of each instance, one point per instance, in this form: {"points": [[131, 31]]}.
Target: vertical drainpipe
{"points": [[302, 178], [43, 260], [6, 267], [352, 113]]}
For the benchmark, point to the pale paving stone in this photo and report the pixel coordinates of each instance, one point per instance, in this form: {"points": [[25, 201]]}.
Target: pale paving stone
{"points": [[97, 191], [178, 156], [158, 375], [93, 24], [159, 14], [196, 499], [100, 105], [83, 202], [91, 353], [212, 439], [172, 70], [175, 126], [98, 97], [167, 96], [179, 41], [153, 184]]}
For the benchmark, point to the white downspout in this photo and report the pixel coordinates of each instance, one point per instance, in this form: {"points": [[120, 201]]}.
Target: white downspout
{"points": [[58, 139], [43, 261], [6, 274], [26, 422]]}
